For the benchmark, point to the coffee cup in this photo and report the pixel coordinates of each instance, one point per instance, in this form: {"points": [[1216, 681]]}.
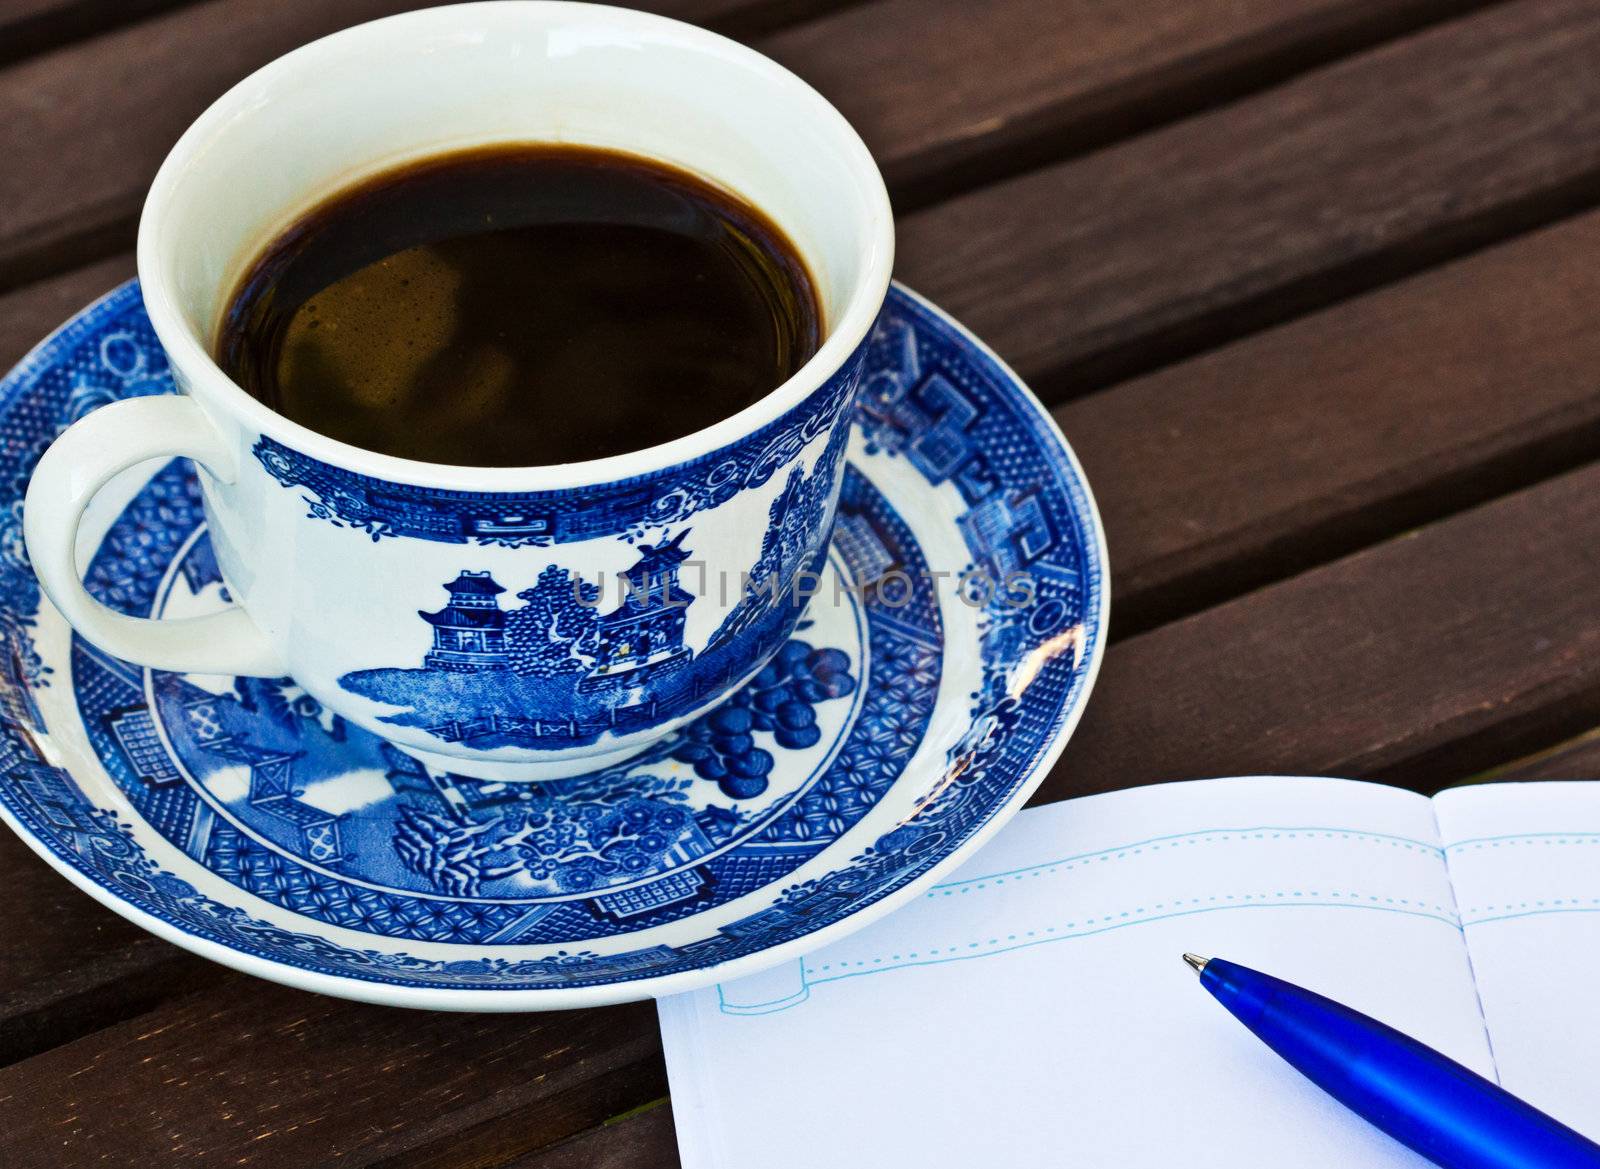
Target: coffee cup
{"points": [[402, 594]]}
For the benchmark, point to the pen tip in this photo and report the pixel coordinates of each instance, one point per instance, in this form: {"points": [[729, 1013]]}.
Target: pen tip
{"points": [[1196, 963]]}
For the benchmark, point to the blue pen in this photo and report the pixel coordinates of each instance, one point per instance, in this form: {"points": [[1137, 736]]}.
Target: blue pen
{"points": [[1431, 1104]]}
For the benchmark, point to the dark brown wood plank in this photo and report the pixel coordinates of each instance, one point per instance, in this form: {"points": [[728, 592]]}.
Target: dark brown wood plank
{"points": [[28, 27], [1307, 441], [112, 106], [745, 19], [37, 948], [949, 95], [85, 128], [1414, 661], [69, 966], [1332, 183], [253, 1074], [1578, 758], [644, 1139], [28, 315], [1417, 662]]}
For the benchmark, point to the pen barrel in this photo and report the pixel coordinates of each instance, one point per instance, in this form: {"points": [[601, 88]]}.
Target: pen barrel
{"points": [[1422, 1099]]}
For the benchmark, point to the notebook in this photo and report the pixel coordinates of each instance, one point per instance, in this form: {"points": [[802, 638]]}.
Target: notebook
{"points": [[1033, 1008]]}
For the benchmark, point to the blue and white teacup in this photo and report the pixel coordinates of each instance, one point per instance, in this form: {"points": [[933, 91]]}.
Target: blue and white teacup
{"points": [[451, 609]]}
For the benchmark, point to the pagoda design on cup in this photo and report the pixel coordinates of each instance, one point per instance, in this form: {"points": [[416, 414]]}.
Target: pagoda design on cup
{"points": [[643, 636], [470, 632], [639, 639]]}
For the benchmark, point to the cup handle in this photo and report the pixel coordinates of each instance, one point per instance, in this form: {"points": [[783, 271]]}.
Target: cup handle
{"points": [[78, 464]]}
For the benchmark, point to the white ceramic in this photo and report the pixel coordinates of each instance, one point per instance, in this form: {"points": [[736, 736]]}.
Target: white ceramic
{"points": [[331, 552]]}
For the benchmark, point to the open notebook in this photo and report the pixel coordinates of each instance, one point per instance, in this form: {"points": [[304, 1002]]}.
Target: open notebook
{"points": [[1033, 1010]]}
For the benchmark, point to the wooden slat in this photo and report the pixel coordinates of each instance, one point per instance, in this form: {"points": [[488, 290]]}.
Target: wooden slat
{"points": [[33, 26], [98, 970], [30, 314], [746, 19], [1020, 83], [37, 947], [250, 1074], [1409, 662], [85, 129], [1217, 225], [1309, 440], [1415, 662], [69, 966], [645, 1139]]}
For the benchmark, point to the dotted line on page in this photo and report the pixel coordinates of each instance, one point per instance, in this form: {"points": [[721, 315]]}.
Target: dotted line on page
{"points": [[1531, 908], [1153, 912], [1171, 843], [1547, 839]]}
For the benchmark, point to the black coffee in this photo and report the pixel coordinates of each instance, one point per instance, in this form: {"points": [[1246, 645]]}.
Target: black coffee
{"points": [[522, 304]]}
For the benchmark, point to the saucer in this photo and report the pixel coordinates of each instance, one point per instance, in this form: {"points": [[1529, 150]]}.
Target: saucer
{"points": [[944, 659]]}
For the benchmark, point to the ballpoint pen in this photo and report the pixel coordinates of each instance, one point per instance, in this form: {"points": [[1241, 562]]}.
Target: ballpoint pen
{"points": [[1431, 1104]]}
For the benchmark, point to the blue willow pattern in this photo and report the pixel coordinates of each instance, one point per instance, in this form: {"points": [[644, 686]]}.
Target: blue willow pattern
{"points": [[931, 398], [645, 847], [613, 670]]}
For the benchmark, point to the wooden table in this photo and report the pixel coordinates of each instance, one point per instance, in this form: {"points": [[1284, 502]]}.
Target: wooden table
{"points": [[1313, 288]]}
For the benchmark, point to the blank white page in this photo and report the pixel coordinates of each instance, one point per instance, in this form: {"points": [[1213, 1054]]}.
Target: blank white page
{"points": [[1033, 1010], [1525, 862]]}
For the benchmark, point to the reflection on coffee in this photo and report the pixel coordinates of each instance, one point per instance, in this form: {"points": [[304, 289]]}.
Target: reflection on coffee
{"points": [[519, 305]]}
